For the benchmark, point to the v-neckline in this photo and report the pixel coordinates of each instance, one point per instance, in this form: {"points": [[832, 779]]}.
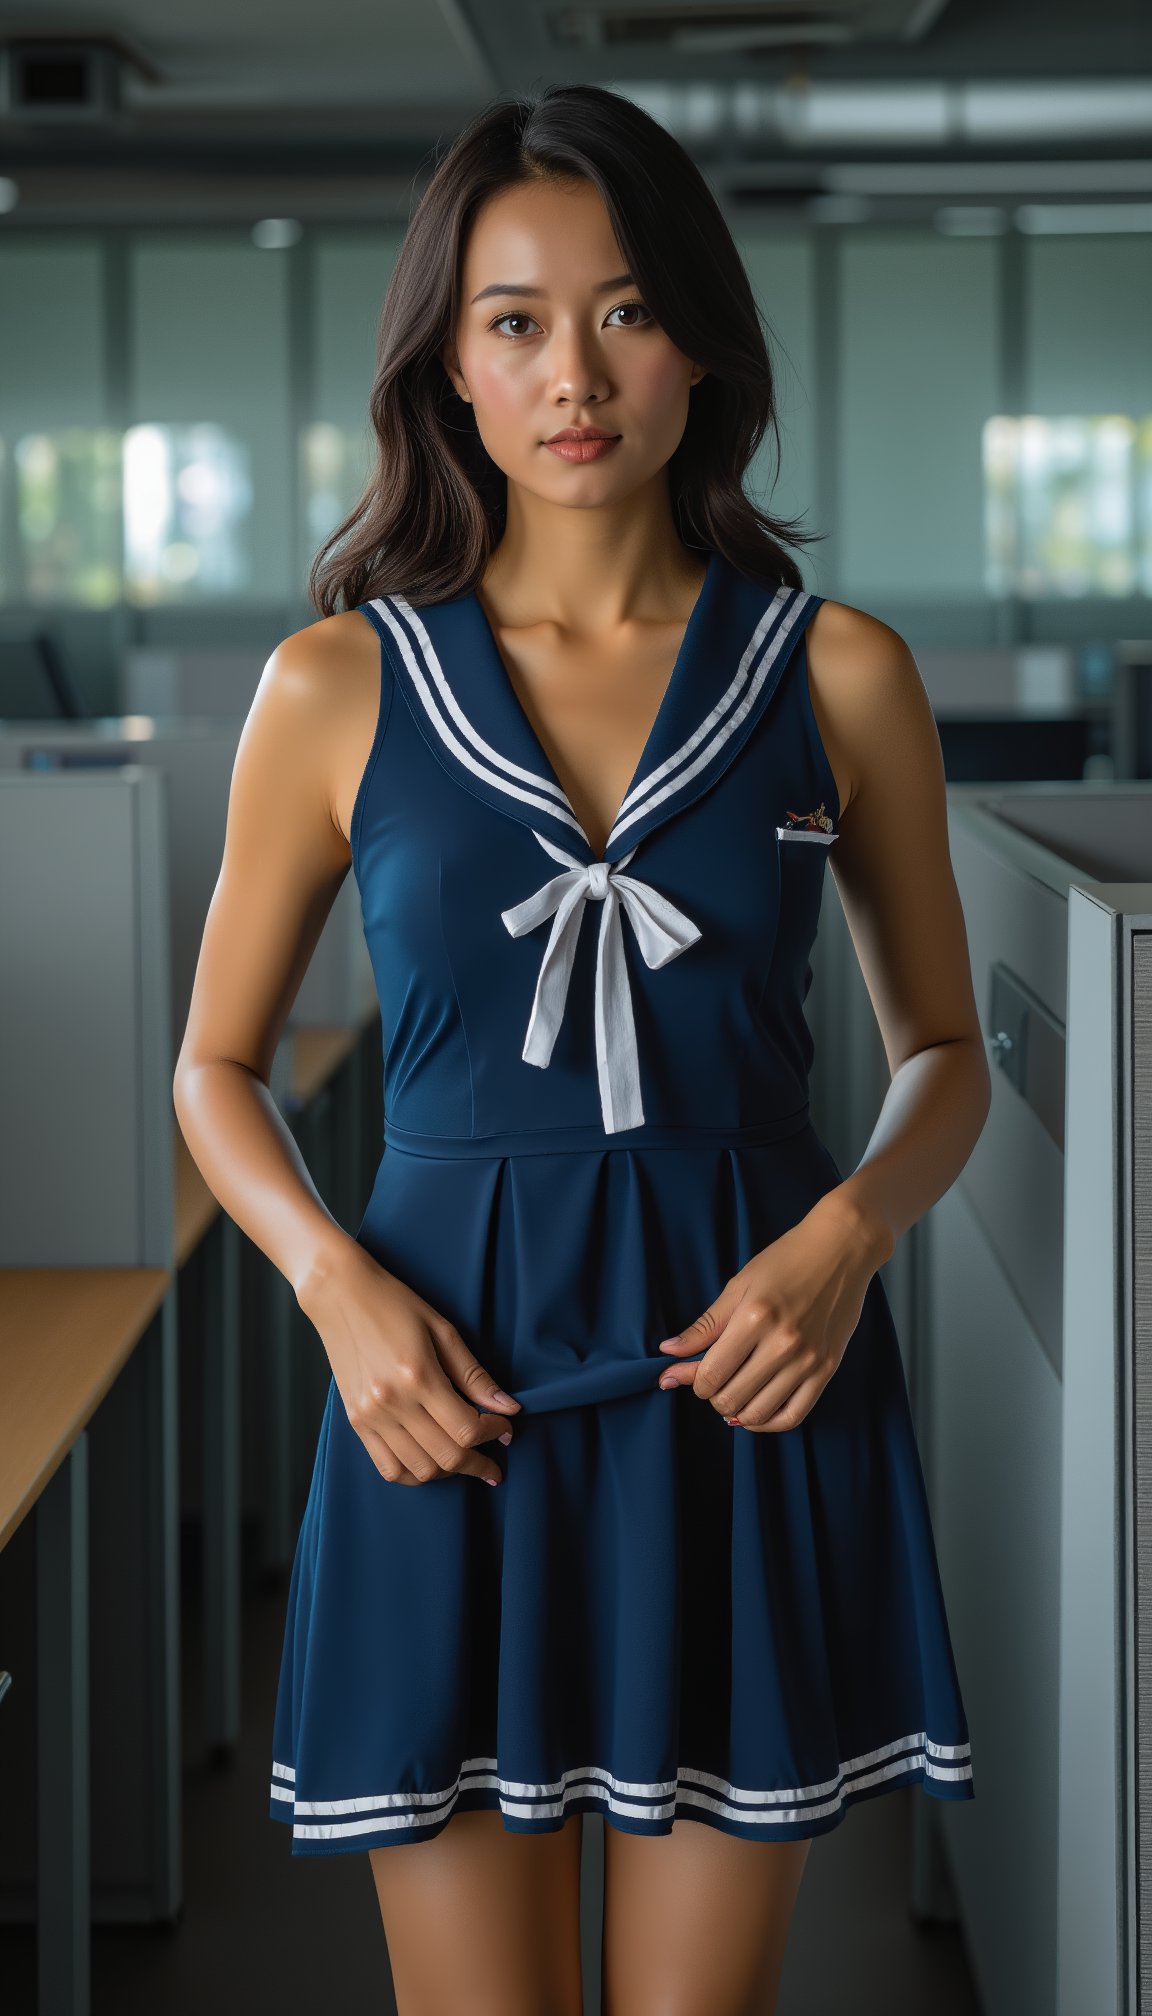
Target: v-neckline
{"points": [[667, 701]]}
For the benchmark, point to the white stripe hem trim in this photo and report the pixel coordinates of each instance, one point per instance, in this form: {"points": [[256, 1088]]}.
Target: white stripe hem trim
{"points": [[525, 1800]]}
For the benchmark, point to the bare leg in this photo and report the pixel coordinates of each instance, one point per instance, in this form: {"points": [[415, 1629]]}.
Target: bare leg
{"points": [[696, 1921], [483, 1920]]}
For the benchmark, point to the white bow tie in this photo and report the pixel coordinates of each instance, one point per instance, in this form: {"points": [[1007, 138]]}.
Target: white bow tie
{"points": [[661, 932]]}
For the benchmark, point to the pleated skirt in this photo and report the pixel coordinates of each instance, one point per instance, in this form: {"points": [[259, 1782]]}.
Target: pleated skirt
{"points": [[654, 1615]]}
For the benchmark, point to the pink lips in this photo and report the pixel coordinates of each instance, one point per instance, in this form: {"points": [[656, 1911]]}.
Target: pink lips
{"points": [[586, 448]]}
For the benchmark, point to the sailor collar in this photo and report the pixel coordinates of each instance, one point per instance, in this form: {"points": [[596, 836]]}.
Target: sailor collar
{"points": [[735, 648]]}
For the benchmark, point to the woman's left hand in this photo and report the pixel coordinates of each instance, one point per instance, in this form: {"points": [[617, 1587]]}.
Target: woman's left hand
{"points": [[777, 1331]]}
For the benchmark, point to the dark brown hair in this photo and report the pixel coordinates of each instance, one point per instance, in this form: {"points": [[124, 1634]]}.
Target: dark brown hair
{"points": [[434, 506]]}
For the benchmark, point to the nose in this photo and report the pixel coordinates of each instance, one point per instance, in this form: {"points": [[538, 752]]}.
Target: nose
{"points": [[577, 373]]}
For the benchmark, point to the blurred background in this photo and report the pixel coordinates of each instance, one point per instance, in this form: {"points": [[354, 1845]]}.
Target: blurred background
{"points": [[945, 209]]}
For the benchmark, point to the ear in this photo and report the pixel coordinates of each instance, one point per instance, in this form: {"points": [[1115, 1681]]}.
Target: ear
{"points": [[451, 363]]}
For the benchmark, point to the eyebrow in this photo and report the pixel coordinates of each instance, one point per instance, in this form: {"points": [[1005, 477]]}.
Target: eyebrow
{"points": [[510, 287]]}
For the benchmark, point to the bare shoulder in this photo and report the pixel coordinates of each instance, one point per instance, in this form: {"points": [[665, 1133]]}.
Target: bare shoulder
{"points": [[314, 663], [865, 686], [322, 685]]}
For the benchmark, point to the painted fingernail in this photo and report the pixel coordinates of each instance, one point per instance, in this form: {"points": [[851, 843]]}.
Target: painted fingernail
{"points": [[505, 1397], [492, 1480], [667, 1384], [506, 1437], [733, 1420]]}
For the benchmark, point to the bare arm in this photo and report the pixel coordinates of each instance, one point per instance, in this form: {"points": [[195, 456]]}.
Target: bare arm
{"points": [[285, 857], [283, 863], [894, 875]]}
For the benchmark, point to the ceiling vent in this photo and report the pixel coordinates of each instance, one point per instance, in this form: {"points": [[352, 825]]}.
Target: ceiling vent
{"points": [[694, 29], [62, 78]]}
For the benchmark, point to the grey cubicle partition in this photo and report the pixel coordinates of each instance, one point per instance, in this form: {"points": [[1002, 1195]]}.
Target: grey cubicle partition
{"points": [[86, 1181], [1024, 1301], [85, 1020], [1033, 1332], [165, 680], [197, 756]]}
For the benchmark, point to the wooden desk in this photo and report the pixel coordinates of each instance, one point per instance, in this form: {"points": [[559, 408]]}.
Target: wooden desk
{"points": [[66, 1335]]}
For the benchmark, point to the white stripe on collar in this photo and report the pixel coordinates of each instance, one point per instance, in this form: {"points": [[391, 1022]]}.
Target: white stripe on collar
{"points": [[633, 808], [487, 762], [546, 796]]}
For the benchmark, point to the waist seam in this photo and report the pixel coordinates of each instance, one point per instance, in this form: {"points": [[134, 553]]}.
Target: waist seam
{"points": [[590, 1140]]}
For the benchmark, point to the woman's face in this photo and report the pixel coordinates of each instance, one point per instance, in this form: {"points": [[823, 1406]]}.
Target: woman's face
{"points": [[553, 334]]}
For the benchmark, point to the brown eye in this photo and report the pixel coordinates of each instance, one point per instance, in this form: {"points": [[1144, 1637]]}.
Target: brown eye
{"points": [[633, 304], [513, 315], [520, 315]]}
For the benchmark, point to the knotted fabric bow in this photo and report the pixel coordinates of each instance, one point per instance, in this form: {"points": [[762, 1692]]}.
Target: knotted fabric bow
{"points": [[661, 931]]}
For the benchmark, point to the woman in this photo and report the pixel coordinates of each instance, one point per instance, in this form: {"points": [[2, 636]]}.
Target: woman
{"points": [[553, 679]]}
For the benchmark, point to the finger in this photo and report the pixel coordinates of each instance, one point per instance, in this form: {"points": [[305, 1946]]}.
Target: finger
{"points": [[677, 1375], [465, 1370], [429, 1453], [441, 1420], [732, 1357], [384, 1457], [447, 1424], [708, 1325], [788, 1415], [772, 1370], [452, 1442]]}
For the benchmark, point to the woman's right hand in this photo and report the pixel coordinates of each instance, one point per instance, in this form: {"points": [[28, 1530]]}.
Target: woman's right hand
{"points": [[397, 1364]]}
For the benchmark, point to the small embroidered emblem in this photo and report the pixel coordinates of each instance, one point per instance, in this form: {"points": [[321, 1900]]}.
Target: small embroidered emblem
{"points": [[818, 819]]}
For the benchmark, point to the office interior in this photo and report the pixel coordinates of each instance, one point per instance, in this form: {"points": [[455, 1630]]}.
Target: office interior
{"points": [[945, 209]]}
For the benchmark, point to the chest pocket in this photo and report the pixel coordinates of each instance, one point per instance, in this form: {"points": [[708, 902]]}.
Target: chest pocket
{"points": [[795, 836], [803, 852]]}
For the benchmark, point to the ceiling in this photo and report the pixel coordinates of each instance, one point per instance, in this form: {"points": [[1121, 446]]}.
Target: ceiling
{"points": [[289, 107]]}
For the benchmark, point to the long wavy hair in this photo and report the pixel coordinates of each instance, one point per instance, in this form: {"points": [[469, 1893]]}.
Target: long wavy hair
{"points": [[435, 504]]}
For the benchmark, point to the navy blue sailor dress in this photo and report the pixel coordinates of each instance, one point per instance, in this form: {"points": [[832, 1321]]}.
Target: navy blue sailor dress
{"points": [[596, 1111]]}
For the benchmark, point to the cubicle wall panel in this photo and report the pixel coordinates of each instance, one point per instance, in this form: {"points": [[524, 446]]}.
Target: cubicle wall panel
{"points": [[1014, 1179], [1003, 907], [62, 1024], [993, 1404], [1013, 1182], [85, 1060], [1140, 1705], [196, 757]]}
